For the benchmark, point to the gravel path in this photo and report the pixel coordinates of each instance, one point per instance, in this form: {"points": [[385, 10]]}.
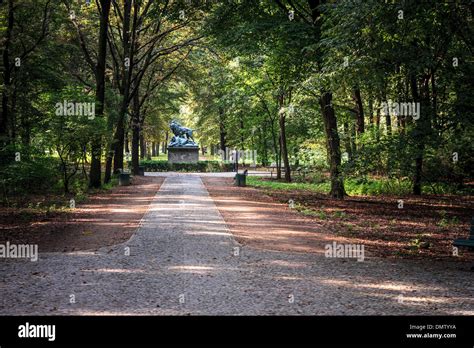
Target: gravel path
{"points": [[184, 261]]}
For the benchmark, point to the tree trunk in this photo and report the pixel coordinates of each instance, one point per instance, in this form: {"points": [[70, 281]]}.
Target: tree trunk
{"points": [[96, 146], [264, 156], [360, 112], [222, 134], [353, 140], [135, 134], [279, 170], [330, 126], [126, 73], [119, 139], [148, 152], [377, 123], [283, 145], [153, 149], [142, 146], [65, 182], [4, 115], [109, 157], [108, 167], [276, 149], [242, 146], [418, 141], [388, 123], [127, 143], [435, 96], [347, 142], [371, 112], [388, 120]]}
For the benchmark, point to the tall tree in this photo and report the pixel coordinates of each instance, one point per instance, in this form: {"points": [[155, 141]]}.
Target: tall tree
{"points": [[96, 147], [14, 45]]}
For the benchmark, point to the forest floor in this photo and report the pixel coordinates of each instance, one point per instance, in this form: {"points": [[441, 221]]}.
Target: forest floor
{"points": [[104, 218], [424, 228]]}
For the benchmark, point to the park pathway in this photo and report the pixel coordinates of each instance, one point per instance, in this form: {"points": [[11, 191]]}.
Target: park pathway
{"points": [[184, 261]]}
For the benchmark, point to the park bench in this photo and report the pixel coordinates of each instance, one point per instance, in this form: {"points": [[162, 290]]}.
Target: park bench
{"points": [[303, 171], [274, 168], [467, 243]]}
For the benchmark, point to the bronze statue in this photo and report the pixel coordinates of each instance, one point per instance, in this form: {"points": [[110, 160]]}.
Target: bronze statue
{"points": [[182, 136]]}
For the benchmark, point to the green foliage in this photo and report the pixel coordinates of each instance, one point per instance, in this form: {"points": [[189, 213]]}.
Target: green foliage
{"points": [[33, 175], [252, 65], [113, 182], [359, 186], [320, 214], [278, 185], [201, 166], [446, 221], [419, 243]]}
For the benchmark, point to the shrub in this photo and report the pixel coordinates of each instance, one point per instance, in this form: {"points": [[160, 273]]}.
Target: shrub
{"points": [[34, 175], [201, 166]]}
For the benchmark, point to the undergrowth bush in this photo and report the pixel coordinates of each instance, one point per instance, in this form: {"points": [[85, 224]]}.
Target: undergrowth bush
{"points": [[201, 166]]}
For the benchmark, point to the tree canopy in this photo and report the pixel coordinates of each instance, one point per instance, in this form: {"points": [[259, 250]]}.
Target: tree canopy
{"points": [[349, 88]]}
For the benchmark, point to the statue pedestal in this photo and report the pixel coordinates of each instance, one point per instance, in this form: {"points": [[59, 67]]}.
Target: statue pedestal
{"points": [[183, 154]]}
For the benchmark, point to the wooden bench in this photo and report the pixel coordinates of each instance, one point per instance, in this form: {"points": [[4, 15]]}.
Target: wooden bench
{"points": [[305, 171], [274, 168], [467, 243]]}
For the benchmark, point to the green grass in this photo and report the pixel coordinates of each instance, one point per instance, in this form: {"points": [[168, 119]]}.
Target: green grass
{"points": [[161, 157], [277, 185], [310, 212], [355, 186]]}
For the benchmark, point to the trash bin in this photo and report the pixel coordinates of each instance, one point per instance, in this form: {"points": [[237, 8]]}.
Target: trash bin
{"points": [[141, 170], [240, 179], [124, 179]]}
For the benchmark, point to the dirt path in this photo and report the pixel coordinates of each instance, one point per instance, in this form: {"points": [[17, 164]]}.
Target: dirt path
{"points": [[260, 222], [262, 218]]}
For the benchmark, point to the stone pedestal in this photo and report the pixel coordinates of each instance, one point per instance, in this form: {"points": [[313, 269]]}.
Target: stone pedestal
{"points": [[183, 154]]}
